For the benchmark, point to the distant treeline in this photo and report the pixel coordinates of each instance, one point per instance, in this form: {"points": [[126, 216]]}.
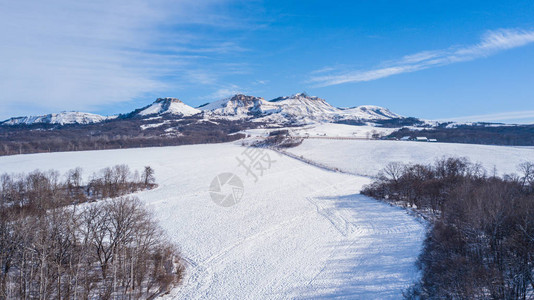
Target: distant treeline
{"points": [[53, 247], [514, 135], [116, 134], [388, 123], [481, 241], [279, 139]]}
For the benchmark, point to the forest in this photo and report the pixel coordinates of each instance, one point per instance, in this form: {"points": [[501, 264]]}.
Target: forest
{"points": [[63, 238], [480, 243]]}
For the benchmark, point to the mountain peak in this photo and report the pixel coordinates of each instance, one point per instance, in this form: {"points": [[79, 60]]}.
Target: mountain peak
{"points": [[244, 98], [300, 96], [303, 95], [238, 105], [168, 100], [168, 106]]}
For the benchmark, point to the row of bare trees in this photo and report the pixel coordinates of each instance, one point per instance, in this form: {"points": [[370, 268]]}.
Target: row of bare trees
{"points": [[39, 191], [51, 247], [109, 249], [481, 240]]}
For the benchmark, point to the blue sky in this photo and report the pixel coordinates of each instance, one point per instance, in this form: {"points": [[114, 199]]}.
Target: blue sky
{"points": [[461, 60]]}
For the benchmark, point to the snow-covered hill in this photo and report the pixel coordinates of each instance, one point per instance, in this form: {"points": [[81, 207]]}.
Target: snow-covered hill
{"points": [[62, 118], [167, 106]]}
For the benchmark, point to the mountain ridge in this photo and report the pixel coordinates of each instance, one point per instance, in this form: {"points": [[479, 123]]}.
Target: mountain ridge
{"points": [[61, 118], [170, 122], [296, 109]]}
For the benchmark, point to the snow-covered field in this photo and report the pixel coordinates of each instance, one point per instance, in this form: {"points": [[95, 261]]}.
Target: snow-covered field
{"points": [[298, 232], [326, 130], [368, 157], [341, 130]]}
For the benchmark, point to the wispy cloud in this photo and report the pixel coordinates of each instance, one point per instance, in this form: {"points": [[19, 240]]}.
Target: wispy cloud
{"points": [[323, 70], [527, 115], [260, 82], [82, 55], [491, 43]]}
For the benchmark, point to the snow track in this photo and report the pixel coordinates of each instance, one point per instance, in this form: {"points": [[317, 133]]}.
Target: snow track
{"points": [[299, 232]]}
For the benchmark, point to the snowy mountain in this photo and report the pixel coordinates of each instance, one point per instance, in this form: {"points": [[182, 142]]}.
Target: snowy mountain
{"points": [[296, 109], [169, 122], [369, 112], [62, 118], [237, 106], [167, 106], [301, 108]]}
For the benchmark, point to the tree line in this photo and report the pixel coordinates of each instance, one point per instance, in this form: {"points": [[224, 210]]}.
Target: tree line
{"points": [[39, 191], [55, 246], [279, 139], [488, 134], [480, 243], [117, 134]]}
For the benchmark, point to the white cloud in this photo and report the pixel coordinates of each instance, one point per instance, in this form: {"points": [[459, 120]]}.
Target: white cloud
{"points": [[491, 43], [260, 82], [82, 55], [323, 70]]}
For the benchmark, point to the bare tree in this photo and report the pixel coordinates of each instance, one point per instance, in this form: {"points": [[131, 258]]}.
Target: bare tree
{"points": [[526, 170], [108, 249], [148, 176], [393, 171]]}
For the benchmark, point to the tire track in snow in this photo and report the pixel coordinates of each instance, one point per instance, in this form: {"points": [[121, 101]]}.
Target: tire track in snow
{"points": [[203, 272]]}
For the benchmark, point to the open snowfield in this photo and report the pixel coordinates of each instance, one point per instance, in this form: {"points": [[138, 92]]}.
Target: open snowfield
{"points": [[368, 157], [326, 130], [340, 130], [298, 232]]}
